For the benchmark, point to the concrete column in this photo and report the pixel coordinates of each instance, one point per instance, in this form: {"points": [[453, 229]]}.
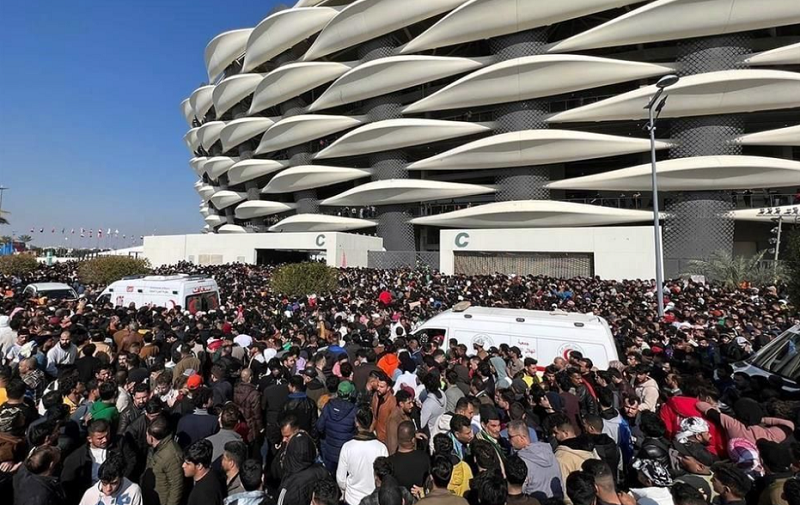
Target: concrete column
{"points": [[521, 183], [699, 224]]}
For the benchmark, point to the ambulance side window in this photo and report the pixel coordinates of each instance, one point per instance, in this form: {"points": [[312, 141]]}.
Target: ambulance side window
{"points": [[194, 303], [202, 302], [210, 301]]}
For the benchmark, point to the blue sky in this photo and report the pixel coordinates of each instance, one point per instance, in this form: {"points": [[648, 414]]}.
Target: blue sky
{"points": [[91, 133]]}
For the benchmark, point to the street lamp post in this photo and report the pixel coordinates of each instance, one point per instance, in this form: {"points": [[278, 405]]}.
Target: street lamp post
{"points": [[654, 109], [2, 190]]}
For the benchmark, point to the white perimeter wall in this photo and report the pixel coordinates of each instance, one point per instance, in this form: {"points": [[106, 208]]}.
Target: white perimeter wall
{"points": [[619, 252], [342, 249]]}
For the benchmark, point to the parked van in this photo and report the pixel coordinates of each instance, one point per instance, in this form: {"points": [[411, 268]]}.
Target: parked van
{"points": [[51, 290], [538, 334], [779, 357], [190, 292]]}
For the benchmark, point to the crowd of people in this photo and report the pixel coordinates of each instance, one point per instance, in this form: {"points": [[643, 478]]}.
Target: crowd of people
{"points": [[335, 398]]}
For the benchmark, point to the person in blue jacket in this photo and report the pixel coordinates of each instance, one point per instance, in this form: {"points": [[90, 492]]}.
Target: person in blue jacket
{"points": [[336, 425]]}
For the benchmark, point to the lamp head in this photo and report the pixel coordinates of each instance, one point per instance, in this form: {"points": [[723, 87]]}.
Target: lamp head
{"points": [[667, 81]]}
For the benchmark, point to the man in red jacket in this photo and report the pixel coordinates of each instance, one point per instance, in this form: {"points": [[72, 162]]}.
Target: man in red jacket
{"points": [[681, 407]]}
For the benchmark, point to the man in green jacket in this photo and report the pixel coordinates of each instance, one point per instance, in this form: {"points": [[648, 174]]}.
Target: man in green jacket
{"points": [[162, 482]]}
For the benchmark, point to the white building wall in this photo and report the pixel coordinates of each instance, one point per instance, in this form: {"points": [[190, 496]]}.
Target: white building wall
{"points": [[619, 252], [341, 249]]}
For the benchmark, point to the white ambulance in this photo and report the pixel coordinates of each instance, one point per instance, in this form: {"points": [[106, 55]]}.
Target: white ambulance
{"points": [[190, 292], [538, 334]]}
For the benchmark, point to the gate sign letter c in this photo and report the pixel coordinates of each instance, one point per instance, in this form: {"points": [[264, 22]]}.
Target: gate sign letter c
{"points": [[320, 240], [462, 239]]}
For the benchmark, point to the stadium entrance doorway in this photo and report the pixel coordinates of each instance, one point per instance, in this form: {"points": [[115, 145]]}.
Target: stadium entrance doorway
{"points": [[279, 256]]}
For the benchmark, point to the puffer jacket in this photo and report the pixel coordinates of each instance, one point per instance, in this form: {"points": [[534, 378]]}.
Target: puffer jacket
{"points": [[247, 398], [336, 426], [678, 408], [162, 482]]}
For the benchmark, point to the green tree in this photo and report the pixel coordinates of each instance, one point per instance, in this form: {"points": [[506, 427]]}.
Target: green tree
{"points": [[723, 269], [26, 239], [300, 279], [5, 239], [18, 264], [104, 270], [3, 219]]}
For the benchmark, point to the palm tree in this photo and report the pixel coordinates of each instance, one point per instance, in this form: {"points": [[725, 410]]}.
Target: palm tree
{"points": [[25, 239], [5, 239], [3, 220], [730, 272]]}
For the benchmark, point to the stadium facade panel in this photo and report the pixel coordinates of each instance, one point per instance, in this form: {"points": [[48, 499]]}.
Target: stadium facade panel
{"points": [[403, 117]]}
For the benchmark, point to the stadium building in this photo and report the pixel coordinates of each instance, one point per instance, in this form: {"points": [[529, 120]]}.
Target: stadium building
{"points": [[506, 135]]}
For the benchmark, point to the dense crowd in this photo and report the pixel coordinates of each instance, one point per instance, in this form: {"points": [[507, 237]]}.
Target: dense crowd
{"points": [[336, 398]]}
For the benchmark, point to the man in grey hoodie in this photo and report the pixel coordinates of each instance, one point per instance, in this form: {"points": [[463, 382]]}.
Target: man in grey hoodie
{"points": [[544, 474]]}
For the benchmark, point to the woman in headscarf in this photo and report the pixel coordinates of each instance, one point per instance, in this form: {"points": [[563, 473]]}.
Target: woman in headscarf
{"points": [[749, 422]]}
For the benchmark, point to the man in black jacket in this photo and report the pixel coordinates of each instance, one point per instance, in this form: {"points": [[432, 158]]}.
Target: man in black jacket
{"points": [[588, 404], [34, 482], [221, 389], [80, 467], [273, 399], [141, 393], [134, 439], [301, 406], [605, 446]]}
